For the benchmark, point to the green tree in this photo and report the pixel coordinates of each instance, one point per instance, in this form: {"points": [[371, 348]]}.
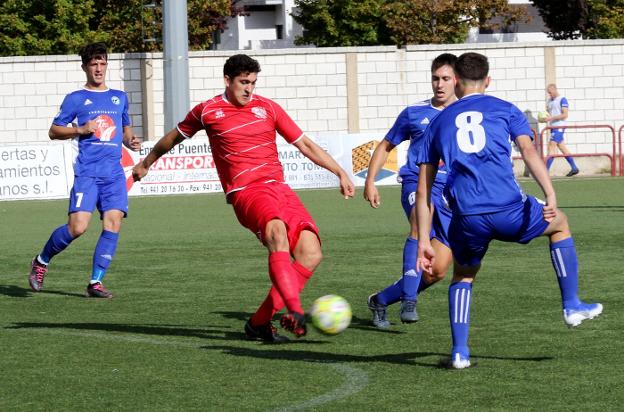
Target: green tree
{"points": [[606, 19], [566, 19], [372, 22], [41, 27], [44, 27], [330, 23], [573, 19]]}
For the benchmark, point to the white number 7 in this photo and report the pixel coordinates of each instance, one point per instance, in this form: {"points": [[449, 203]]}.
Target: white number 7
{"points": [[78, 199]]}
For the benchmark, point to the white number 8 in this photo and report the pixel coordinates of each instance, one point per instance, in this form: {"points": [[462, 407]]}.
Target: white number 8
{"points": [[470, 133]]}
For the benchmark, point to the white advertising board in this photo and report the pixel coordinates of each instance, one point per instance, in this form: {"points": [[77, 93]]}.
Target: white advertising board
{"points": [[46, 172], [34, 171]]}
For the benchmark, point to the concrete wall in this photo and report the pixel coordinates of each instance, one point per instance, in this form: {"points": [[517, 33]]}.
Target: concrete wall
{"points": [[333, 90]]}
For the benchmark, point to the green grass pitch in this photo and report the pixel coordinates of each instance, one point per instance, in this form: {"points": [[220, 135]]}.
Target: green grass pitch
{"points": [[187, 276]]}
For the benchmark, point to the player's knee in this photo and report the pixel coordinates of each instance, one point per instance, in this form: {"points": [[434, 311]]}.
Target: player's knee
{"points": [[314, 258], [275, 233], [77, 229], [436, 275]]}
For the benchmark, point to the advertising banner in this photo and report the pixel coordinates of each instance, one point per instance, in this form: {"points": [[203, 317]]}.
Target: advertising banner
{"points": [[41, 171], [34, 171]]}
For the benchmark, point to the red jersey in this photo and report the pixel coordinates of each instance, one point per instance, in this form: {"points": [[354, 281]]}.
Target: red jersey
{"points": [[242, 138]]}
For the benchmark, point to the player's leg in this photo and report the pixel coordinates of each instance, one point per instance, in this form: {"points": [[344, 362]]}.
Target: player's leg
{"points": [[440, 223], [552, 150], [113, 207], [378, 302], [104, 253], [308, 252], [82, 201], [574, 170], [565, 262], [443, 260], [459, 301], [282, 275], [411, 274], [469, 237]]}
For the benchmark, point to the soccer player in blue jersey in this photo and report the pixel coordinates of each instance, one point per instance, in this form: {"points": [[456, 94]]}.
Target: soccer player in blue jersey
{"points": [[473, 137], [410, 125], [96, 117], [558, 107]]}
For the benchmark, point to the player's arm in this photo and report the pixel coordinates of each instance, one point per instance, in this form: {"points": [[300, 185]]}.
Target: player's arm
{"points": [[380, 155], [57, 132], [316, 154], [424, 211], [130, 140], [161, 147], [539, 172]]}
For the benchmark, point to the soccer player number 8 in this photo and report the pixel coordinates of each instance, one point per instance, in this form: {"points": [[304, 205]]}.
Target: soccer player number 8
{"points": [[470, 133]]}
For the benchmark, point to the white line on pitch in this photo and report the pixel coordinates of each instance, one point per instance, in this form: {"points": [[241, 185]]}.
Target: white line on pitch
{"points": [[355, 380]]}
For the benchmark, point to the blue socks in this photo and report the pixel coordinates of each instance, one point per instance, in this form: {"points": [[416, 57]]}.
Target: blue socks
{"points": [[571, 162], [103, 255], [411, 277], [58, 242], [391, 294], [411, 283], [565, 262], [459, 296]]}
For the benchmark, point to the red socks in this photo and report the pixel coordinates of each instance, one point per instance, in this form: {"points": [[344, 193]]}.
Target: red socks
{"points": [[288, 280]]}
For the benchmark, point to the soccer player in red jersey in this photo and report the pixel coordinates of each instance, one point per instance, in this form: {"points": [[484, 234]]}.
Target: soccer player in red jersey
{"points": [[241, 128]]}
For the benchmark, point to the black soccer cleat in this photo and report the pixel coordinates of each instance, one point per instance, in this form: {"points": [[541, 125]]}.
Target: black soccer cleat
{"points": [[572, 172], [295, 323], [266, 333]]}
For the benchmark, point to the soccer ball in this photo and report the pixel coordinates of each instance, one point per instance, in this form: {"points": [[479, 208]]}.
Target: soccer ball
{"points": [[541, 117], [330, 314]]}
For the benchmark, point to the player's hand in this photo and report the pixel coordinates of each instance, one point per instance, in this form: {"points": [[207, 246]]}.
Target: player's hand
{"points": [[426, 256], [550, 208], [89, 127], [347, 188], [139, 171], [372, 195], [134, 143]]}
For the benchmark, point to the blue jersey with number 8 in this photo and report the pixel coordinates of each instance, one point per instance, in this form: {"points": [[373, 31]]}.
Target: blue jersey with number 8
{"points": [[473, 137]]}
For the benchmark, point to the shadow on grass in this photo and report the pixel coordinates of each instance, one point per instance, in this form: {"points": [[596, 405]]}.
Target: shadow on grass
{"points": [[356, 323], [60, 292], [152, 330], [158, 330], [15, 291], [20, 292], [438, 360]]}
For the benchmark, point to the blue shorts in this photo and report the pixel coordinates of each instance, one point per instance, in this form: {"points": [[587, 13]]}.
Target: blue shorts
{"points": [[105, 193], [470, 235], [441, 213], [556, 135]]}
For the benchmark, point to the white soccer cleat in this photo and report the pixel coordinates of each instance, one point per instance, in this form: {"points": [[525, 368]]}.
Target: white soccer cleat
{"points": [[575, 316], [459, 362]]}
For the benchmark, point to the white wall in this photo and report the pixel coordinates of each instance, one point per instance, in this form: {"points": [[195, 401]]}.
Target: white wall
{"points": [[311, 85]]}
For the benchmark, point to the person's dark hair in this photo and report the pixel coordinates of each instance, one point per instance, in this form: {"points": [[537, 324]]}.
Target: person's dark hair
{"points": [[240, 63], [443, 60], [93, 50], [472, 66]]}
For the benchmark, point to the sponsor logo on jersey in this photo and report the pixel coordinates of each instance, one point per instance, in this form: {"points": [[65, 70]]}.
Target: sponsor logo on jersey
{"points": [[219, 114], [115, 100], [259, 112], [361, 156], [106, 128], [424, 121], [87, 102]]}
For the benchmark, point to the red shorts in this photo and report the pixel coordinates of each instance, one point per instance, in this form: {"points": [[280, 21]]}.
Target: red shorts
{"points": [[257, 205]]}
